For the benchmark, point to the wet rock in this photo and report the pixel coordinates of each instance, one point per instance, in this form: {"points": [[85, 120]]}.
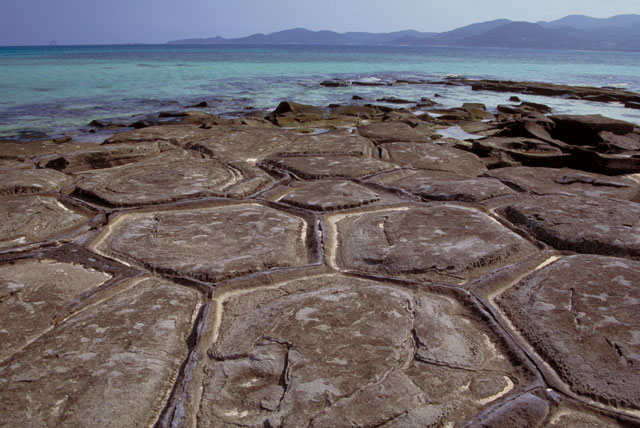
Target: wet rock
{"points": [[336, 351], [330, 195], [354, 111], [31, 181], [289, 113], [29, 220], [426, 243], [477, 111], [527, 151], [394, 100], [580, 313], [514, 99], [178, 135], [584, 225], [584, 130], [526, 411], [475, 127], [330, 143], [565, 181], [330, 166], [169, 177], [334, 83], [201, 104], [443, 185], [111, 365], [612, 143], [208, 243], [435, 157], [386, 132], [33, 293], [632, 104], [197, 118]]}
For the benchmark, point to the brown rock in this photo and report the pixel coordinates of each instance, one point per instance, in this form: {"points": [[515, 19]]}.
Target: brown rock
{"points": [[330, 166], [289, 113], [330, 143], [386, 132], [28, 149], [31, 181], [178, 135], [354, 110], [527, 151], [435, 157], [330, 195], [584, 130]]}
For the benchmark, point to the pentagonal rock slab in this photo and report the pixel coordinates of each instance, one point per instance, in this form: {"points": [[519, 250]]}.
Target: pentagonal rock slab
{"points": [[386, 132], [435, 157], [336, 351], [178, 135], [581, 315], [26, 220], [330, 195], [169, 177], [31, 181], [448, 244], [585, 225], [443, 185], [337, 166], [112, 365], [209, 243], [330, 143]]}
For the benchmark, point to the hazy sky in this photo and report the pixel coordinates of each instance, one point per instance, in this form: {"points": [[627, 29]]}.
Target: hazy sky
{"points": [[29, 22]]}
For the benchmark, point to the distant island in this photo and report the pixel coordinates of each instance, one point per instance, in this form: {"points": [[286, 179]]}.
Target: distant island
{"points": [[575, 32]]}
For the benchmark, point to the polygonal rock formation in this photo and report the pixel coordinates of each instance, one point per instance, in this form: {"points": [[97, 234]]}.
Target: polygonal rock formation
{"points": [[445, 243], [329, 143], [565, 181], [111, 365], [289, 113], [31, 181], [169, 177], [583, 130], [330, 195], [580, 314], [29, 149], [528, 151], [435, 157], [337, 166], [443, 185], [584, 225], [33, 293], [209, 243], [26, 220], [178, 135], [336, 351], [387, 132], [243, 143]]}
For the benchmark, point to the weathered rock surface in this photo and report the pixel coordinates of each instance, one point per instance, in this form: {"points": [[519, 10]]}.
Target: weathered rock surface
{"points": [[443, 185], [425, 243], [585, 225], [330, 195], [565, 181], [208, 243], [169, 177], [435, 157], [31, 181], [178, 135], [329, 143], [528, 151], [289, 113], [387, 132], [29, 220], [28, 149], [580, 313], [331, 166], [111, 365], [335, 351], [584, 130]]}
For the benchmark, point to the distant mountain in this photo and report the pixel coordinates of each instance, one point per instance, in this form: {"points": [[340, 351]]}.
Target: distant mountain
{"points": [[618, 33]]}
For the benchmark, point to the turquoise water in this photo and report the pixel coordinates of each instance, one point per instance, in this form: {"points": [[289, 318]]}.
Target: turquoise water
{"points": [[59, 89]]}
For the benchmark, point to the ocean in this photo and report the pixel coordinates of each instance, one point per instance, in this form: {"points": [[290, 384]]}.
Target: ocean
{"points": [[60, 89]]}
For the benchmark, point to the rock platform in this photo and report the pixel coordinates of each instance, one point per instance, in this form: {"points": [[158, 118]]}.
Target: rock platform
{"points": [[343, 267]]}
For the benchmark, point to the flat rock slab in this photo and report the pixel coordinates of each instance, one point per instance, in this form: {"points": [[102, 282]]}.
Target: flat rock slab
{"points": [[387, 132], [178, 135], [33, 293], [209, 243], [445, 243], [169, 177], [337, 166], [330, 143], [330, 195], [31, 181], [337, 351], [443, 185], [27, 220], [243, 143], [581, 315], [112, 365], [584, 130], [584, 225], [565, 181], [529, 151], [16, 164], [435, 157], [29, 149]]}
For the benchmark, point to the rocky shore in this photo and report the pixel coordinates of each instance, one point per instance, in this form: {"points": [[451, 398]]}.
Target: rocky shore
{"points": [[348, 266]]}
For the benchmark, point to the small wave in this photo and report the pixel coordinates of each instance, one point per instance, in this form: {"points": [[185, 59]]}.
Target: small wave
{"points": [[370, 79]]}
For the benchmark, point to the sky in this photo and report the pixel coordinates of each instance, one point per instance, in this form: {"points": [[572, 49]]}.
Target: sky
{"points": [[37, 22]]}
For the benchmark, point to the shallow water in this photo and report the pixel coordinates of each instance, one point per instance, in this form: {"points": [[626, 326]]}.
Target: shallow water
{"points": [[58, 89]]}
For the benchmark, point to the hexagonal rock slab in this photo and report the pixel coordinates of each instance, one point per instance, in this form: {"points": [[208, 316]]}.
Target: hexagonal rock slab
{"points": [[32, 294], [336, 351], [330, 195], [584, 225], [208, 243], [244, 144], [581, 315], [112, 365], [386, 132], [31, 181], [435, 157], [330, 143], [26, 220], [445, 243], [443, 185], [178, 135], [169, 177], [315, 167]]}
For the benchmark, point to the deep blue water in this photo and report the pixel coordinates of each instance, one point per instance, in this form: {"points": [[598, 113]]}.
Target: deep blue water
{"points": [[62, 88]]}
